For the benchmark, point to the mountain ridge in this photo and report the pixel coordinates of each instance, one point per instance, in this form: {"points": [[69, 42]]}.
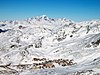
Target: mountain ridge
{"points": [[58, 39]]}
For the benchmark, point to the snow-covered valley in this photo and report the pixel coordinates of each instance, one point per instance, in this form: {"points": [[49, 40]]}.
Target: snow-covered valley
{"points": [[28, 46]]}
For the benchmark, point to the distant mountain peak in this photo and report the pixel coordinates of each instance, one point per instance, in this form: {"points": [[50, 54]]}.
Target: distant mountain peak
{"points": [[42, 17]]}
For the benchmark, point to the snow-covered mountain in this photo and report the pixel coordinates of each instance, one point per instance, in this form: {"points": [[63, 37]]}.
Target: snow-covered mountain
{"points": [[42, 37]]}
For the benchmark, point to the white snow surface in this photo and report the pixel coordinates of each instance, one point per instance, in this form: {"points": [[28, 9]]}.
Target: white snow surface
{"points": [[50, 38]]}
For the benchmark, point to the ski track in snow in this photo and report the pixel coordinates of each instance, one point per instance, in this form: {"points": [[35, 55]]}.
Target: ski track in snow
{"points": [[41, 36]]}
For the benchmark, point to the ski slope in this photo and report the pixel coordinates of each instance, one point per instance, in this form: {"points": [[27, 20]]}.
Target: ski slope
{"points": [[44, 37]]}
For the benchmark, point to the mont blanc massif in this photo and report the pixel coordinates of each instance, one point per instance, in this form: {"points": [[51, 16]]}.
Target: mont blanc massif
{"points": [[47, 46]]}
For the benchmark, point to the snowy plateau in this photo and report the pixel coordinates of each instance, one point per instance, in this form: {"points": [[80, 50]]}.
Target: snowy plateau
{"points": [[46, 46]]}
